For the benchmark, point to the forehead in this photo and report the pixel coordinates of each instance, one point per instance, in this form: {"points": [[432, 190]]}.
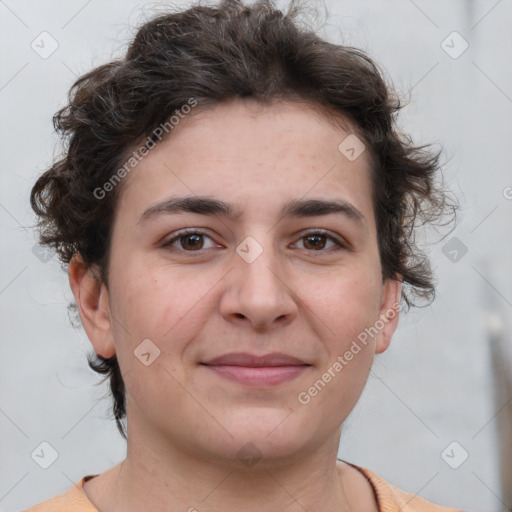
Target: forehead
{"points": [[250, 153], [291, 121]]}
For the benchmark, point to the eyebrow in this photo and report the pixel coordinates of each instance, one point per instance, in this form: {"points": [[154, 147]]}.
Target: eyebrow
{"points": [[209, 206]]}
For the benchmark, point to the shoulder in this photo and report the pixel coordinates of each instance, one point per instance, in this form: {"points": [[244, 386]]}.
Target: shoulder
{"points": [[73, 499], [393, 499]]}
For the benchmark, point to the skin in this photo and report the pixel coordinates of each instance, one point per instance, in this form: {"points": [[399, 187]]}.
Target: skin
{"points": [[186, 424]]}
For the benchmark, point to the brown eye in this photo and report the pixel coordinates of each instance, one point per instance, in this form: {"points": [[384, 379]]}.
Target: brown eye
{"points": [[193, 242], [188, 241], [317, 242]]}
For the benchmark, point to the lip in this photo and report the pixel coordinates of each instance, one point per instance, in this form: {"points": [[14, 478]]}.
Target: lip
{"points": [[252, 370], [245, 359]]}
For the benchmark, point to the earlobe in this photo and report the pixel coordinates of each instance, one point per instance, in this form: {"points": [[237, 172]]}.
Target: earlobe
{"points": [[91, 296], [389, 313]]}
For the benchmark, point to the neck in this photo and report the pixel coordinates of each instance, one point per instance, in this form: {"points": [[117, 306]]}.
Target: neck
{"points": [[152, 478]]}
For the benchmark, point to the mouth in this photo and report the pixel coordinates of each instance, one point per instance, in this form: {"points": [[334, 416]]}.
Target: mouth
{"points": [[252, 370]]}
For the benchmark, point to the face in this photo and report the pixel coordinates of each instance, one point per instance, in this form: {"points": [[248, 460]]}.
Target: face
{"points": [[235, 325]]}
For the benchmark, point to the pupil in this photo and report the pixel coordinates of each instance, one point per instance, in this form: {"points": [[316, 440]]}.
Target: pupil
{"points": [[318, 242], [195, 243]]}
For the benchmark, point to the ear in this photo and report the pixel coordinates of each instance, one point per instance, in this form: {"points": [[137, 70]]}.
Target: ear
{"points": [[389, 313], [91, 296]]}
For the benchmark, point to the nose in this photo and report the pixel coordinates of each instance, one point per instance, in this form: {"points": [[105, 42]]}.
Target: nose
{"points": [[259, 292]]}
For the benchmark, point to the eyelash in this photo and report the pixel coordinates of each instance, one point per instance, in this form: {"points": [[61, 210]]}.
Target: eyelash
{"points": [[192, 231]]}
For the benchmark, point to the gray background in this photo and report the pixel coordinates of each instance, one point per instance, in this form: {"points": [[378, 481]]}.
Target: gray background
{"points": [[432, 387]]}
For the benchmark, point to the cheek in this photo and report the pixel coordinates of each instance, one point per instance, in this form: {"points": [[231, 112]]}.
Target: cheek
{"points": [[337, 385], [150, 297], [155, 302], [346, 303]]}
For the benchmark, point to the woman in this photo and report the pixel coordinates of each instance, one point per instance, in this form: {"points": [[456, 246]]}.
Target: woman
{"points": [[237, 210]]}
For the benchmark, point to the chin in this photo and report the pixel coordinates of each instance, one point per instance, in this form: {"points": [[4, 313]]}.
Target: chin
{"points": [[267, 434]]}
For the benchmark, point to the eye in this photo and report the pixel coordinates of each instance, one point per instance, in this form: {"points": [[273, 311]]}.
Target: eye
{"points": [[190, 240], [316, 241], [193, 240]]}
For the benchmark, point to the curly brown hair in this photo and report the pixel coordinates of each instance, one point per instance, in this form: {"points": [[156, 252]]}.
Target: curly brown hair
{"points": [[214, 54]]}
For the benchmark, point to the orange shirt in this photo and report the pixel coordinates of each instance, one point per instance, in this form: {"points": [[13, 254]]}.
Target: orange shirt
{"points": [[389, 498]]}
